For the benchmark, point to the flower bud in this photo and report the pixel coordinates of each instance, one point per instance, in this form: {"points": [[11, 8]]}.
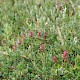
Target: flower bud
{"points": [[31, 34], [23, 36], [65, 55], [14, 46], [19, 41], [45, 35], [39, 34], [42, 47], [12, 67], [54, 59]]}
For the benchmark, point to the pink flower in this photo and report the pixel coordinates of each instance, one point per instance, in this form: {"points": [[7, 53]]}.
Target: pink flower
{"points": [[54, 59], [31, 34], [39, 34], [12, 67], [65, 55], [14, 46], [23, 36], [42, 47], [45, 35]]}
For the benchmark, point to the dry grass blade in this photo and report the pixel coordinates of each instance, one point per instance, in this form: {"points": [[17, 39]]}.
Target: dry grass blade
{"points": [[60, 36]]}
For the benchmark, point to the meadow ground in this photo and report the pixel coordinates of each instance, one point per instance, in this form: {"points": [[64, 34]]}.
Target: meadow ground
{"points": [[39, 39]]}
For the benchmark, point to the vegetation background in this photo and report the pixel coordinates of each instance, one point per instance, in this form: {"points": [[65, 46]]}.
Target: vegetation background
{"points": [[39, 39]]}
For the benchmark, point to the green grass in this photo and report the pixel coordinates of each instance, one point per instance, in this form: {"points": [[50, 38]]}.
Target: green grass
{"points": [[39, 41]]}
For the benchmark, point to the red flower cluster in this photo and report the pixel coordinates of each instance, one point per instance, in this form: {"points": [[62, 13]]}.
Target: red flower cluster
{"points": [[39, 34], [19, 42]]}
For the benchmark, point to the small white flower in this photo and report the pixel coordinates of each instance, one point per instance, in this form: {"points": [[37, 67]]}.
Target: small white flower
{"points": [[75, 40]]}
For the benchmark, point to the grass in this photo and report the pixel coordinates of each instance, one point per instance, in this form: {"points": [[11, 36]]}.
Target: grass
{"points": [[39, 40]]}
